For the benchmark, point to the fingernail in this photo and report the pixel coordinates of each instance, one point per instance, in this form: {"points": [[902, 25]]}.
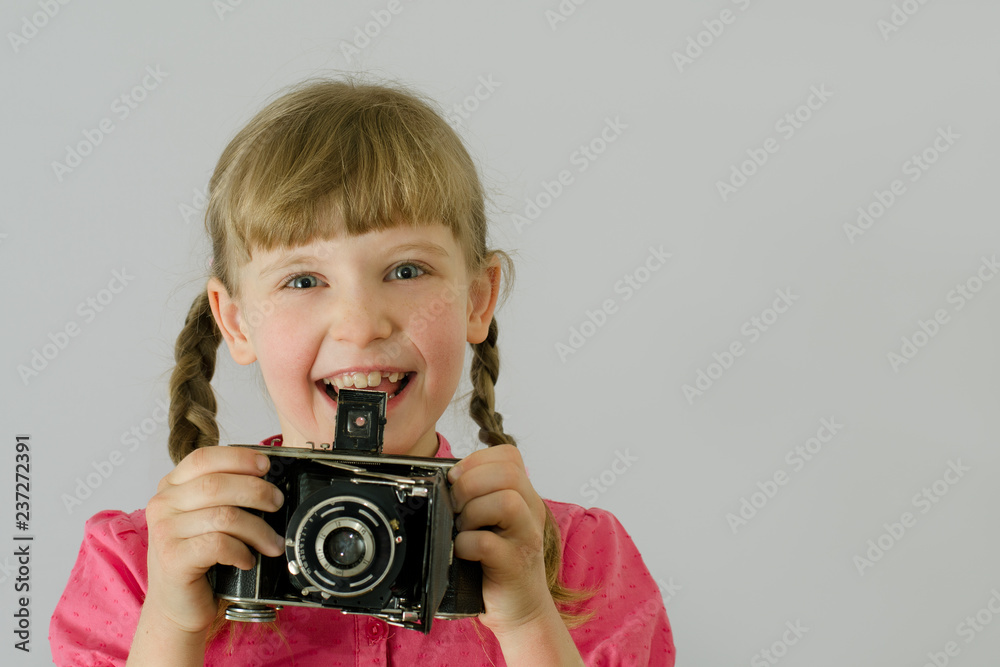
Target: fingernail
{"points": [[279, 541], [279, 497], [454, 473], [263, 463]]}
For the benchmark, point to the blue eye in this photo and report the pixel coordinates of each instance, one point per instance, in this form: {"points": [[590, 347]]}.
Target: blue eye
{"points": [[405, 272], [302, 281]]}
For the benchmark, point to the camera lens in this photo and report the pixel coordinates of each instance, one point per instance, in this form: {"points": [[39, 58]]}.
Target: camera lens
{"points": [[344, 547], [343, 544]]}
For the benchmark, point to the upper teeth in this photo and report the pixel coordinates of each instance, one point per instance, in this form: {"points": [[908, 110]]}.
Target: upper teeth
{"points": [[362, 380]]}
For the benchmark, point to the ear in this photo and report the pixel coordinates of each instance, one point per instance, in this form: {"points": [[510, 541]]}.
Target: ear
{"points": [[483, 293], [226, 312]]}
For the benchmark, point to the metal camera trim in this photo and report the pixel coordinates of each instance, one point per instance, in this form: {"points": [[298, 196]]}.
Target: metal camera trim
{"points": [[323, 587]]}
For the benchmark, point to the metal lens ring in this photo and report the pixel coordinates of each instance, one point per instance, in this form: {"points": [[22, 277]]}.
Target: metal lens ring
{"points": [[374, 545], [345, 547]]}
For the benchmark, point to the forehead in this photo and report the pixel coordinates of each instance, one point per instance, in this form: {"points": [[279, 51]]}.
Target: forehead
{"points": [[434, 240]]}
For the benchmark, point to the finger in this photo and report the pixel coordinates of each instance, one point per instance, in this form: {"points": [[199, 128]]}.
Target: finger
{"points": [[219, 489], [233, 521], [203, 551], [484, 479], [504, 510], [483, 546], [207, 460], [494, 454]]}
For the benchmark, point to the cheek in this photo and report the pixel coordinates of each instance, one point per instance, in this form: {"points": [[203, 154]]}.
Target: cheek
{"points": [[443, 345], [282, 347]]}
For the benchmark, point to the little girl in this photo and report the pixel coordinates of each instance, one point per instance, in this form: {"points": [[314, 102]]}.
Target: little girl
{"points": [[349, 236]]}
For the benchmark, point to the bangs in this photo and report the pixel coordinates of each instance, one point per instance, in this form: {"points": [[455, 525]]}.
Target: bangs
{"points": [[335, 158]]}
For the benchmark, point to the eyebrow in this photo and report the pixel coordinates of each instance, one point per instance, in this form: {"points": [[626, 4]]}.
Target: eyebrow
{"points": [[285, 262], [425, 246], [305, 257]]}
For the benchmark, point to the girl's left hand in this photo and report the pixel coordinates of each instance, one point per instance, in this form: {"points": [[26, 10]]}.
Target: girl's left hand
{"points": [[501, 520]]}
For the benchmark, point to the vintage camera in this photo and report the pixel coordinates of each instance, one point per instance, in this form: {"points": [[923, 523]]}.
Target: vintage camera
{"points": [[364, 533]]}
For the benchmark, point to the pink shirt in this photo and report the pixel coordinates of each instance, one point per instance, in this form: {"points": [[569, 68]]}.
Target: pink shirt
{"points": [[96, 617]]}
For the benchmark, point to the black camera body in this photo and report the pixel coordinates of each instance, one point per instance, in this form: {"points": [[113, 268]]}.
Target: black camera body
{"points": [[364, 533]]}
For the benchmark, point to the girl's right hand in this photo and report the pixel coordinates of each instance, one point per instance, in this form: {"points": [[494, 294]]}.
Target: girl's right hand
{"points": [[195, 521]]}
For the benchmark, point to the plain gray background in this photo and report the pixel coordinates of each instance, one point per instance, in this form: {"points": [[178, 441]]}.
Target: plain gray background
{"points": [[609, 424]]}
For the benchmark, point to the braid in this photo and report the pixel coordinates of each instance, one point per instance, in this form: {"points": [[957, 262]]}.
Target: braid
{"points": [[484, 372], [192, 402]]}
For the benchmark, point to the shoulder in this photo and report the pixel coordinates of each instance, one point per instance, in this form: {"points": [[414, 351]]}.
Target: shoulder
{"points": [[114, 544], [110, 526], [587, 524], [113, 549], [105, 590], [596, 548], [627, 622], [570, 513]]}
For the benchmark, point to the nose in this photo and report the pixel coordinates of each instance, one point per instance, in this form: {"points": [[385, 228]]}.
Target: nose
{"points": [[360, 317]]}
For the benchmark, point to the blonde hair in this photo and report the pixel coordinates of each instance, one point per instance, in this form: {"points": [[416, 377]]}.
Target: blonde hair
{"points": [[331, 156]]}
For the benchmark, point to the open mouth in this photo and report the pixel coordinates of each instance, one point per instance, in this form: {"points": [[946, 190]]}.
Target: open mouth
{"points": [[391, 382]]}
